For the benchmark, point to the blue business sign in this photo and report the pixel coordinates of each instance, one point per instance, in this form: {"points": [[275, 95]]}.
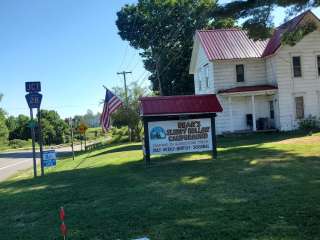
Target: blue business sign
{"points": [[32, 87], [34, 100], [49, 158]]}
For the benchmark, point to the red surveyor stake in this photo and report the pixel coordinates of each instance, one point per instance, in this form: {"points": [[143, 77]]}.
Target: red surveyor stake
{"points": [[62, 214], [63, 229], [63, 226]]}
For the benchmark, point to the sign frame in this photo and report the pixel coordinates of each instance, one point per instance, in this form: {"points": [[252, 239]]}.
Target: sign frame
{"points": [[148, 119], [180, 136], [49, 158]]}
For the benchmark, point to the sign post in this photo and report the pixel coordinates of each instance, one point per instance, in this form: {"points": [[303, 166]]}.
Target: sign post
{"points": [[82, 130], [71, 124], [34, 99]]}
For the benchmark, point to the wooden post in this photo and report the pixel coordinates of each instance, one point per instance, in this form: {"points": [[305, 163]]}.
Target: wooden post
{"points": [[146, 142], [214, 137]]}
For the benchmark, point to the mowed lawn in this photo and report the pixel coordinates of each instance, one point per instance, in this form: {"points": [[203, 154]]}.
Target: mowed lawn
{"points": [[263, 187]]}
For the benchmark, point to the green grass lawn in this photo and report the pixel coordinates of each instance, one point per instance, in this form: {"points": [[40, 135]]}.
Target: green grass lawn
{"points": [[263, 187]]}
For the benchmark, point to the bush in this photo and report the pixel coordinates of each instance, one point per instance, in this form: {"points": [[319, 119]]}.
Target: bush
{"points": [[18, 143], [119, 135], [311, 123]]}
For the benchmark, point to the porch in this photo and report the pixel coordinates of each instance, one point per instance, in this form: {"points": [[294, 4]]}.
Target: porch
{"points": [[252, 108]]}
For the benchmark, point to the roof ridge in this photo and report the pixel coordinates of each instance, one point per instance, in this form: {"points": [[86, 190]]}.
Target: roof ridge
{"points": [[221, 29], [301, 15]]}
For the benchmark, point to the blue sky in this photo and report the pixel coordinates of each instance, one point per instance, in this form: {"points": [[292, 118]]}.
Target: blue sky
{"points": [[72, 47]]}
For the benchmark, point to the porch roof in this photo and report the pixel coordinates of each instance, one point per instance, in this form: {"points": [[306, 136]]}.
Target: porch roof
{"points": [[245, 89]]}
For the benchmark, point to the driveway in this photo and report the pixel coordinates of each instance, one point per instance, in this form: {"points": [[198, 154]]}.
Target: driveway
{"points": [[13, 162]]}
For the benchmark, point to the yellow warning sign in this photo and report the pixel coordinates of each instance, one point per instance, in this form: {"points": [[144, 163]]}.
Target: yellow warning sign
{"points": [[82, 128]]}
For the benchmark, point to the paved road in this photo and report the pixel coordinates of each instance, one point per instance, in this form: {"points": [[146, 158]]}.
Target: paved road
{"points": [[13, 162]]}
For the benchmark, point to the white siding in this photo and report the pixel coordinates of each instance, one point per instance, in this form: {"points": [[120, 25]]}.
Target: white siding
{"points": [[307, 86], [225, 73], [271, 69], [201, 61]]}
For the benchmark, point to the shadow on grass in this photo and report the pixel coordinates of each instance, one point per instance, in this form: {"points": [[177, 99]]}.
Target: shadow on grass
{"points": [[119, 149], [249, 193], [238, 140]]}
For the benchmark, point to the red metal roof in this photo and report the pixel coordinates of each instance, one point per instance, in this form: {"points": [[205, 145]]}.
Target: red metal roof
{"points": [[173, 105], [249, 89], [223, 44], [275, 41]]}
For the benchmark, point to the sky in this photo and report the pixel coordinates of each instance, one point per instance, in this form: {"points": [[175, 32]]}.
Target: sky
{"points": [[72, 47]]}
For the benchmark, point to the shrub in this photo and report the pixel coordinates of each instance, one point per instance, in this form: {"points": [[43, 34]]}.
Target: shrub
{"points": [[119, 135], [18, 143], [311, 123]]}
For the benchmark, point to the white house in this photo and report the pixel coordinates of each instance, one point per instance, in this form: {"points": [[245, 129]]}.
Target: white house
{"points": [[261, 84]]}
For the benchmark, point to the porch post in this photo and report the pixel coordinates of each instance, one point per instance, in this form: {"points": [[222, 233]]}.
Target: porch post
{"points": [[230, 114], [254, 114]]}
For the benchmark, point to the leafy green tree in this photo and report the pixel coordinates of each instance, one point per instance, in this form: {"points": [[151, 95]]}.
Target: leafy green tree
{"points": [[4, 132], [164, 30], [130, 116], [18, 127], [258, 14], [54, 129]]}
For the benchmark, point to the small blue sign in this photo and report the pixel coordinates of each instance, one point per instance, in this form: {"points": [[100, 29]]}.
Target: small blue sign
{"points": [[33, 87], [49, 158], [34, 100]]}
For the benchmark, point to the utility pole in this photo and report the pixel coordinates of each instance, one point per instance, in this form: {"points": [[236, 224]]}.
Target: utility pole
{"points": [[124, 73]]}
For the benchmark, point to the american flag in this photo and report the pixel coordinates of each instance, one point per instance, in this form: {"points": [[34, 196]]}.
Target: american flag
{"points": [[111, 104]]}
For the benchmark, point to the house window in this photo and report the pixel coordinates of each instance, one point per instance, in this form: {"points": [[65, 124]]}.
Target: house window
{"points": [[299, 107], [271, 110], [240, 72], [318, 64], [206, 74], [296, 65]]}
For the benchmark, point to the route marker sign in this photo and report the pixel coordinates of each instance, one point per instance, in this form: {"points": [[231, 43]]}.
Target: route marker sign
{"points": [[34, 100], [32, 87], [49, 158]]}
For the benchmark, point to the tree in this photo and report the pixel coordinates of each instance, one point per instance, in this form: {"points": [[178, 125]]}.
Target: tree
{"points": [[18, 127], [130, 116], [258, 14], [164, 30], [54, 129], [4, 132]]}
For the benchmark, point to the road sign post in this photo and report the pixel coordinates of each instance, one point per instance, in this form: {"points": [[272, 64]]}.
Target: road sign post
{"points": [[82, 130], [33, 136], [40, 141], [34, 99]]}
